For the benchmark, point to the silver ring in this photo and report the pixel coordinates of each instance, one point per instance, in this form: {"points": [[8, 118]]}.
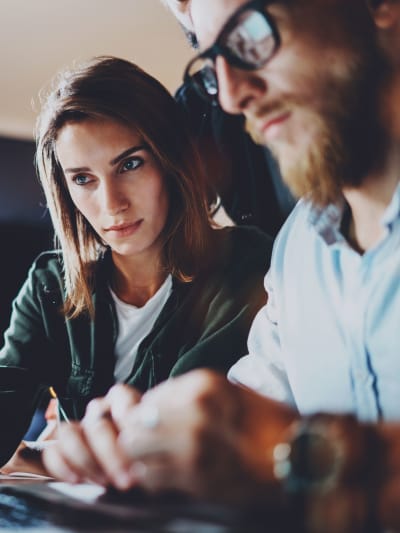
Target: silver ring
{"points": [[149, 416], [138, 470]]}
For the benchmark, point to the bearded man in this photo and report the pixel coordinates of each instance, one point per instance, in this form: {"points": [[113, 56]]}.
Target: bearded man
{"points": [[327, 338], [321, 95]]}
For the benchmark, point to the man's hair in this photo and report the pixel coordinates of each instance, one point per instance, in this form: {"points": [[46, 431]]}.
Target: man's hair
{"points": [[115, 89]]}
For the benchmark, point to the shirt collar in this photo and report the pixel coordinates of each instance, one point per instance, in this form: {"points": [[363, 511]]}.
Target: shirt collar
{"points": [[327, 221]]}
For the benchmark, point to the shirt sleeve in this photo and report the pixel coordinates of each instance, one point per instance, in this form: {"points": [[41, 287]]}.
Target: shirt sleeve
{"points": [[20, 363], [263, 369]]}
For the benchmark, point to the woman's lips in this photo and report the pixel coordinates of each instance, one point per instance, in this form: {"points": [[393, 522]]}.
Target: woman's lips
{"points": [[124, 230]]}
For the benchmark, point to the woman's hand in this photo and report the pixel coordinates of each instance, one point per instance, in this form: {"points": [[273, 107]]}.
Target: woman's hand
{"points": [[197, 433], [89, 450]]}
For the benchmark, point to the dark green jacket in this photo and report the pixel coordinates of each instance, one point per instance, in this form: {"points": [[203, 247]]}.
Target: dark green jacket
{"points": [[204, 323]]}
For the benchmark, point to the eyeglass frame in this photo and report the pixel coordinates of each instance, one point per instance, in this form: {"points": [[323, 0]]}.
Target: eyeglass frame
{"points": [[216, 49]]}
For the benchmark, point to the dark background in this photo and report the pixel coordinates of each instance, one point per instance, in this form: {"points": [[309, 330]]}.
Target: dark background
{"points": [[25, 228]]}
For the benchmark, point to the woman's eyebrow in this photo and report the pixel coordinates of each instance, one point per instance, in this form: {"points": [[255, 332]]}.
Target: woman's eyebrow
{"points": [[127, 152], [77, 169], [114, 161]]}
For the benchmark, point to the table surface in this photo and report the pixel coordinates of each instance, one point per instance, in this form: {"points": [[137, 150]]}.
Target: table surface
{"points": [[36, 506]]}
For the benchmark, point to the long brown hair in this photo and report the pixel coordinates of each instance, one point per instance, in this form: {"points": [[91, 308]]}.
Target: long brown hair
{"points": [[112, 88]]}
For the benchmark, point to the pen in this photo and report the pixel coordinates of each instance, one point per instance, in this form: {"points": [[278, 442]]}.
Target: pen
{"points": [[60, 407]]}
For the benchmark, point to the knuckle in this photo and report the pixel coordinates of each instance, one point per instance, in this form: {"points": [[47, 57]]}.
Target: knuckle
{"points": [[116, 390], [94, 406], [65, 432]]}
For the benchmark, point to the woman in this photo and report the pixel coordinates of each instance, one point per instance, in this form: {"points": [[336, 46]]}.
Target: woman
{"points": [[142, 288]]}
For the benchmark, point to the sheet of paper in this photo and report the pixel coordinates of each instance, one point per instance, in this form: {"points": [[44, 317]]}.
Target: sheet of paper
{"points": [[39, 445], [87, 492]]}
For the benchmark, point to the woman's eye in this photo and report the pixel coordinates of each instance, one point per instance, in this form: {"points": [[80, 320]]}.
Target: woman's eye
{"points": [[132, 164], [81, 179]]}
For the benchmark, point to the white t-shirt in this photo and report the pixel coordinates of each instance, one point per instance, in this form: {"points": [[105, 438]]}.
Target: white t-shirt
{"points": [[134, 324]]}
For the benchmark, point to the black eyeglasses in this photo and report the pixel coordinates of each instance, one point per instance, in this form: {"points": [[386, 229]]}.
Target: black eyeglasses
{"points": [[247, 41]]}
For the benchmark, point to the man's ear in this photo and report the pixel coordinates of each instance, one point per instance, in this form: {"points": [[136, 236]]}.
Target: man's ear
{"points": [[386, 13]]}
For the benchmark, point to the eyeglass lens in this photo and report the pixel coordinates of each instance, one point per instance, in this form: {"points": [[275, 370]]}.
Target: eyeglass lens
{"points": [[251, 40], [248, 43]]}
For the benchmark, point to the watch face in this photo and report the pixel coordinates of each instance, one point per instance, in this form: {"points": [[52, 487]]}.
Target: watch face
{"points": [[311, 461], [313, 458]]}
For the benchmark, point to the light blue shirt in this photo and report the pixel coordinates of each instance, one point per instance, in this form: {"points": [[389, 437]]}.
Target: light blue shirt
{"points": [[329, 337]]}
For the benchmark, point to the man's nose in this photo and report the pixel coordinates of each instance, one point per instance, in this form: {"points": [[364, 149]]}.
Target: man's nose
{"points": [[237, 88]]}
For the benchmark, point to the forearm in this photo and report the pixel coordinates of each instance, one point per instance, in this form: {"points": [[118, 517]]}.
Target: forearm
{"points": [[266, 423], [25, 459]]}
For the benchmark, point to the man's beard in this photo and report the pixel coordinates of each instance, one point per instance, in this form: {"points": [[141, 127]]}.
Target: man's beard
{"points": [[349, 142]]}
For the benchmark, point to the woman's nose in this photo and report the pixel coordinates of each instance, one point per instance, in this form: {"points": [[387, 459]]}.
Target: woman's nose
{"points": [[114, 199]]}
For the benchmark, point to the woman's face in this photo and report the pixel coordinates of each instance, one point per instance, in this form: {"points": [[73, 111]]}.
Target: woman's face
{"points": [[116, 183]]}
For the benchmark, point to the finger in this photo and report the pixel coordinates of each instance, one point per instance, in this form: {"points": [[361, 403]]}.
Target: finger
{"points": [[76, 452], [143, 433], [139, 443], [122, 399], [149, 431], [101, 436], [58, 467], [96, 408], [158, 474]]}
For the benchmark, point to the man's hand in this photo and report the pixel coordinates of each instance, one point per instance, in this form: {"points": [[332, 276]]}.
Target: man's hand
{"points": [[204, 436]]}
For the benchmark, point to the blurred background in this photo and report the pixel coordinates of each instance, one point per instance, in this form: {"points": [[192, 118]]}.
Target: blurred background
{"points": [[37, 38]]}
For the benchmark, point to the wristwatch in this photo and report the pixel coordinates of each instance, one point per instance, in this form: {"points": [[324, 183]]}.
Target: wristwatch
{"points": [[311, 458], [332, 462]]}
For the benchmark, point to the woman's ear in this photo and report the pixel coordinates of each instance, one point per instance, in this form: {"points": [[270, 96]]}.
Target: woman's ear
{"points": [[386, 13]]}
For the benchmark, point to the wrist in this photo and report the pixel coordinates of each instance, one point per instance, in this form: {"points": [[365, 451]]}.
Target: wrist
{"points": [[330, 467], [389, 494]]}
